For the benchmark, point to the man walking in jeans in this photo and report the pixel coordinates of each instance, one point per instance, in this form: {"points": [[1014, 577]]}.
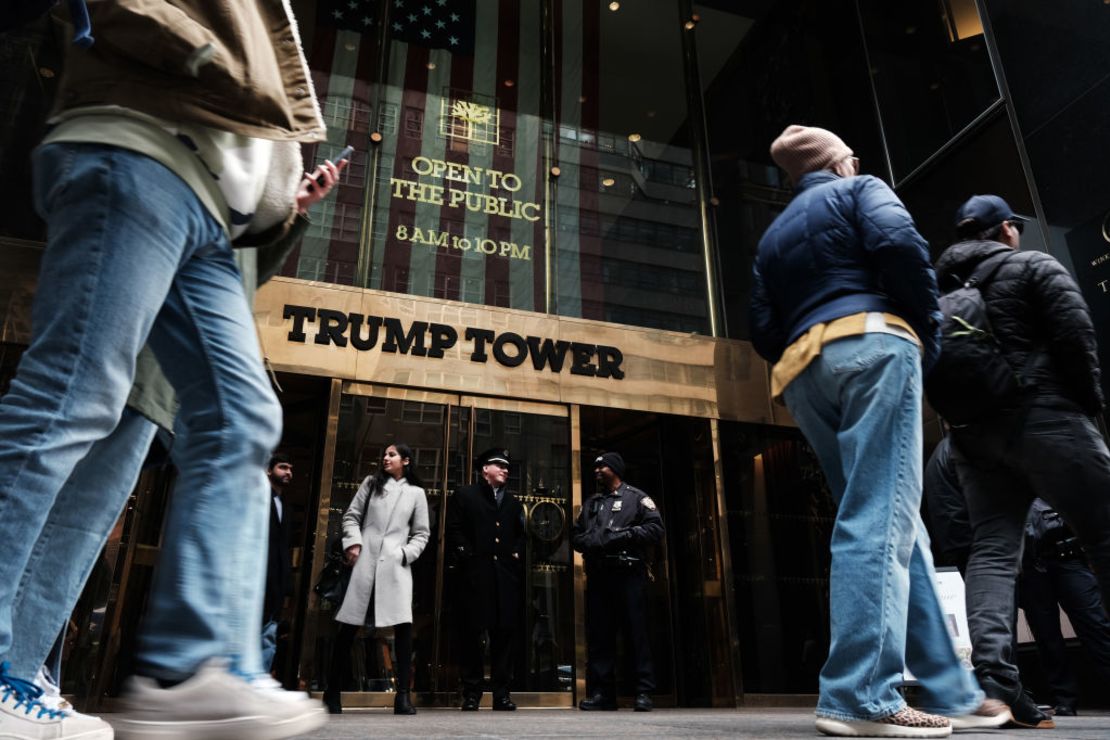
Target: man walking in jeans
{"points": [[844, 301], [176, 136], [1045, 446]]}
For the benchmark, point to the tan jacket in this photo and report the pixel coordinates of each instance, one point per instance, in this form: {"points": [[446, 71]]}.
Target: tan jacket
{"points": [[235, 65]]}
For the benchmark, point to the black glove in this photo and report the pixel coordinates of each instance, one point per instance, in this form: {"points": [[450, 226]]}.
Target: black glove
{"points": [[613, 540], [595, 544]]}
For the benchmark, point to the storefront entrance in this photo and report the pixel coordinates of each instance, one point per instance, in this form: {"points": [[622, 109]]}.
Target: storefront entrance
{"points": [[446, 432]]}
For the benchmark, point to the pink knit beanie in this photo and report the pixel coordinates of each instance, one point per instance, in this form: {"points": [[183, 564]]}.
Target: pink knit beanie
{"points": [[802, 149]]}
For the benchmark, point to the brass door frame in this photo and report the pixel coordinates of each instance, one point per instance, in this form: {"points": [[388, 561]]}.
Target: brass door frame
{"points": [[727, 576], [323, 506], [438, 696], [578, 563]]}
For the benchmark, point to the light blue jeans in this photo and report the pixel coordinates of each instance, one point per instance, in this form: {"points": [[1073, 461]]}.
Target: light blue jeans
{"points": [[74, 533], [269, 644], [133, 257], [859, 406]]}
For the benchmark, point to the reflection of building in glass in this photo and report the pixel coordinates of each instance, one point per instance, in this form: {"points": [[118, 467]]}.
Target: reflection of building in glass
{"points": [[563, 170]]}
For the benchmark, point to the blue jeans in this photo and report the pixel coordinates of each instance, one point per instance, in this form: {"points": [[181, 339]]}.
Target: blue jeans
{"points": [[133, 257], [74, 533], [859, 406], [269, 644]]}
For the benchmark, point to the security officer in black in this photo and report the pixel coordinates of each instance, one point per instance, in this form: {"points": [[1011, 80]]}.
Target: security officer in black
{"points": [[614, 530], [485, 536]]}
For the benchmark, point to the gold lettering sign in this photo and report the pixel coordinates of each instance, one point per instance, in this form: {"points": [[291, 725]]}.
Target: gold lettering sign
{"points": [[465, 187]]}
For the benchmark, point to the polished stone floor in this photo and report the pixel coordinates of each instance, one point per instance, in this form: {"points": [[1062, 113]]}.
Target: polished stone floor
{"points": [[681, 723]]}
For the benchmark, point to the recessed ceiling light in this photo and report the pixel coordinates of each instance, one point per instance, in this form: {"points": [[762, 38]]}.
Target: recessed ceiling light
{"points": [[509, 83], [431, 65], [633, 138], [614, 6], [609, 182]]}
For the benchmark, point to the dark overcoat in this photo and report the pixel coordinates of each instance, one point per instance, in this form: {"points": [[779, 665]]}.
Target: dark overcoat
{"points": [[279, 568], [487, 544]]}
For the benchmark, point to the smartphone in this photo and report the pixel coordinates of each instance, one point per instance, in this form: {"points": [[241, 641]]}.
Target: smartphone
{"points": [[345, 154]]}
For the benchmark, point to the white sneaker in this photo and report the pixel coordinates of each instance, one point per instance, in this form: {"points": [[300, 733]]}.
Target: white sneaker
{"points": [[990, 714], [24, 716], [213, 704], [51, 692], [274, 690]]}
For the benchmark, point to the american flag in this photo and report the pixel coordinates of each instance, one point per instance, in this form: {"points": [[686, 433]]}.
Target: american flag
{"points": [[436, 24], [350, 15], [494, 60]]}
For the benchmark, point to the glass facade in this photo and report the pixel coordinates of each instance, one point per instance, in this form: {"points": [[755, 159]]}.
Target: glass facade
{"points": [[780, 519], [515, 162], [764, 66], [565, 158], [931, 72]]}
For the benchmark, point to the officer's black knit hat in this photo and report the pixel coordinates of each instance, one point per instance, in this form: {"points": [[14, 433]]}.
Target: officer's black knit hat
{"points": [[611, 460]]}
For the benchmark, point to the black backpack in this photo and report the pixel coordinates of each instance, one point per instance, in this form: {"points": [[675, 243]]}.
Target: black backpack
{"points": [[971, 378]]}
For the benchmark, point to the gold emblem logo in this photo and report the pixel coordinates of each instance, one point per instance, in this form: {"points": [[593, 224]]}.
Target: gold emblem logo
{"points": [[470, 121]]}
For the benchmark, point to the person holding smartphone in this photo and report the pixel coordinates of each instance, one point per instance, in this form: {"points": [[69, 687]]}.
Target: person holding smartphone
{"points": [[163, 160]]}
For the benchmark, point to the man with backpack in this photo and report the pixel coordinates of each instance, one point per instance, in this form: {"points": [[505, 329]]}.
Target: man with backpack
{"points": [[1031, 432]]}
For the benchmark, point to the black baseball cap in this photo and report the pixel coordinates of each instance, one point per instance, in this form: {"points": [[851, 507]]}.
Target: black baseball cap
{"points": [[982, 212]]}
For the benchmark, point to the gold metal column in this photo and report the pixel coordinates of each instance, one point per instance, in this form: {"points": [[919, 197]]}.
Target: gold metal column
{"points": [[579, 568], [728, 586], [327, 469]]}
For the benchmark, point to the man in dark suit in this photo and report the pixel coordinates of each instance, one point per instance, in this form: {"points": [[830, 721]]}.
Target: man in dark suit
{"points": [[485, 533], [279, 567]]}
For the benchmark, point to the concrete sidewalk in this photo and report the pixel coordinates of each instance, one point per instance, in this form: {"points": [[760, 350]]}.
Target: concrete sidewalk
{"points": [[565, 723]]}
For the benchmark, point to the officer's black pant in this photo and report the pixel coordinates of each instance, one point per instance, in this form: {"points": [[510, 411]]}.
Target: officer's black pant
{"points": [[472, 661], [1072, 585], [616, 599]]}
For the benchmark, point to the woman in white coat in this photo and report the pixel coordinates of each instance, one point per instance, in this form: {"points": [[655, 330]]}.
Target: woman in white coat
{"points": [[384, 531]]}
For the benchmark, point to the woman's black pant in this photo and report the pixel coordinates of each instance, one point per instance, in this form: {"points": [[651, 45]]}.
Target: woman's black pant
{"points": [[341, 654]]}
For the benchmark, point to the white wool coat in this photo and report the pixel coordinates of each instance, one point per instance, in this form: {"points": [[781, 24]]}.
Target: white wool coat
{"points": [[393, 530]]}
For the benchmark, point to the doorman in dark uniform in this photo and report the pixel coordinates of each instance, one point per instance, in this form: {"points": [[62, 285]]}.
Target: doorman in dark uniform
{"points": [[485, 534], [614, 532]]}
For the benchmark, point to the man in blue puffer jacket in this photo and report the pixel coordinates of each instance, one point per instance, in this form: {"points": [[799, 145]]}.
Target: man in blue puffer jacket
{"points": [[844, 304]]}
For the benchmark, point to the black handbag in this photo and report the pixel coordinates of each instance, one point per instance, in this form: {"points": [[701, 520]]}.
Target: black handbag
{"points": [[331, 584]]}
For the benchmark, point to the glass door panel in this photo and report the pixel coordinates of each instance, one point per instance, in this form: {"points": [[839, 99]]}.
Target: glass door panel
{"points": [[446, 432], [538, 440]]}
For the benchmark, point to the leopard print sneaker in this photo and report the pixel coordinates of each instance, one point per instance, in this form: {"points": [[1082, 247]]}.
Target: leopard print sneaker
{"points": [[906, 722]]}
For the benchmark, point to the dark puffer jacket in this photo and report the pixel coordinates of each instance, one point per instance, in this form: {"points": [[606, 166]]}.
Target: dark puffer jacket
{"points": [[843, 246], [1041, 320]]}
